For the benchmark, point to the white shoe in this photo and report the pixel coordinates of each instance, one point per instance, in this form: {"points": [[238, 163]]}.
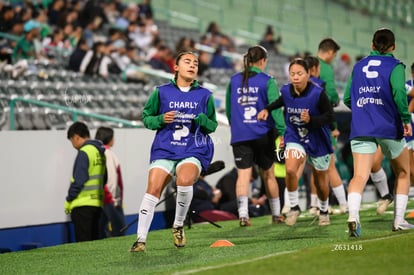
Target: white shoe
{"points": [[343, 209], [314, 211], [383, 203], [404, 225], [285, 210], [324, 219], [292, 215]]}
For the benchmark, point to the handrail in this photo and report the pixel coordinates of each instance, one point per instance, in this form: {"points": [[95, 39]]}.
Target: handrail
{"points": [[168, 76], [75, 112]]}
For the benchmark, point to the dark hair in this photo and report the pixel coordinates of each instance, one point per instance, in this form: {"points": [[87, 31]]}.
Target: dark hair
{"points": [[177, 59], [412, 67], [312, 61], [104, 134], [301, 62], [78, 128], [253, 55], [383, 39], [328, 44]]}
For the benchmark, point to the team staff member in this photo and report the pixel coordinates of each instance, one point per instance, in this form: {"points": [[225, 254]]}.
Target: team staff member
{"points": [[85, 196], [307, 116], [377, 97], [253, 141], [183, 114]]}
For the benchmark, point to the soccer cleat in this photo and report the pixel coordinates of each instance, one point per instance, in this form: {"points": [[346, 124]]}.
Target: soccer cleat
{"points": [[314, 211], [179, 237], [404, 225], [324, 218], [292, 215], [138, 247], [285, 210], [343, 209], [354, 229], [244, 222], [383, 203], [278, 219]]}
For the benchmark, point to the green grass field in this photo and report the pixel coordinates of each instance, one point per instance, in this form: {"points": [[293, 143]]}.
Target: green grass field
{"points": [[262, 248]]}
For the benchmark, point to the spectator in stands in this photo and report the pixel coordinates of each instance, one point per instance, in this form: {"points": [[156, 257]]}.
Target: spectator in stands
{"points": [[145, 9], [84, 199], [228, 198], [175, 150], [141, 36], [204, 62], [96, 61], [55, 11], [205, 197], [41, 17], [76, 57], [184, 44], [160, 61], [25, 48], [213, 34], [219, 61], [93, 12], [372, 126], [7, 18], [55, 45], [88, 32], [269, 42], [343, 68], [113, 219]]}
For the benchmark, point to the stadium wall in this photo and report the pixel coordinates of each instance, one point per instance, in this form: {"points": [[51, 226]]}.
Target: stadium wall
{"points": [[36, 167]]}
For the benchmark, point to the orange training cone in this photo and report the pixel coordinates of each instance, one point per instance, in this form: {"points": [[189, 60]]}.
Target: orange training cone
{"points": [[410, 215], [221, 243]]}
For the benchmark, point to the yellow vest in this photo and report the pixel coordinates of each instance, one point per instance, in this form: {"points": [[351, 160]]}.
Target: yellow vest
{"points": [[92, 192]]}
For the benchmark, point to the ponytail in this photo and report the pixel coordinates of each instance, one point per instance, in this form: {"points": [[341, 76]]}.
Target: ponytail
{"points": [[383, 39], [253, 55]]}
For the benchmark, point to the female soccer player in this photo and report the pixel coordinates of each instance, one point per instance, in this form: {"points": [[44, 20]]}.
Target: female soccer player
{"points": [[308, 114], [253, 141], [183, 114], [377, 97]]}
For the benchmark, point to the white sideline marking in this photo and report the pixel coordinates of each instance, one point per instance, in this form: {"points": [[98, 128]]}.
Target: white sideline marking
{"points": [[270, 255], [235, 263]]}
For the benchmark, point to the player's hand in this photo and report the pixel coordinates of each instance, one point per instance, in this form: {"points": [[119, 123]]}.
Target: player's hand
{"points": [[304, 116], [169, 116], [408, 131], [335, 133], [262, 115]]}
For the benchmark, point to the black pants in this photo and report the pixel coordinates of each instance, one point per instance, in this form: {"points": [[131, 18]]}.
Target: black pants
{"points": [[86, 222]]}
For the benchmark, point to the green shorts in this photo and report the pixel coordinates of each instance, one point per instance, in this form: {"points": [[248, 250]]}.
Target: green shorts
{"points": [[391, 148], [170, 166], [410, 145], [319, 163]]}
